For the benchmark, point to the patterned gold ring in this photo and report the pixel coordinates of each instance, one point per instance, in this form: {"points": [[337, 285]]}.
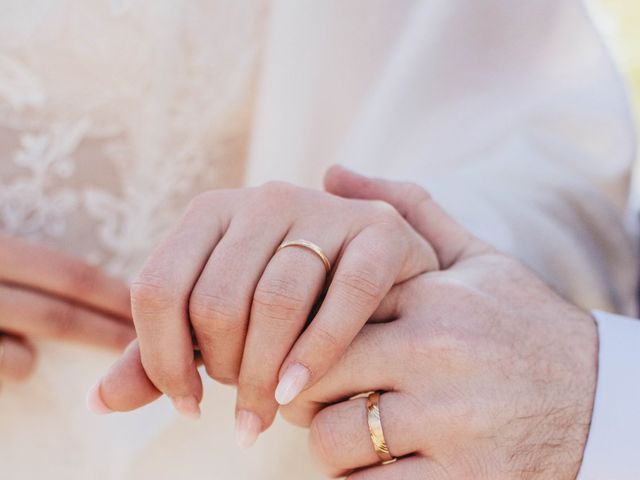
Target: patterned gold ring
{"points": [[375, 429], [309, 246]]}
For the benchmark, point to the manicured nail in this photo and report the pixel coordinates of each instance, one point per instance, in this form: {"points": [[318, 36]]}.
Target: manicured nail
{"points": [[293, 381], [187, 406], [248, 426], [94, 402]]}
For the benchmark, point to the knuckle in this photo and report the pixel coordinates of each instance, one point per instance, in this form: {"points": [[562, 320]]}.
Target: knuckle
{"points": [[150, 294], [325, 340], [279, 299], [215, 314], [382, 211], [447, 345], [277, 188], [201, 201], [273, 195], [362, 285], [463, 417]]}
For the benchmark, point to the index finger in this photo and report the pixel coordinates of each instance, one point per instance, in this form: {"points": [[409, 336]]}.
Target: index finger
{"points": [[41, 268]]}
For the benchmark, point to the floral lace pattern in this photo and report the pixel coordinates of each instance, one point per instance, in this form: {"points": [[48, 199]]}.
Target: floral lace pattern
{"points": [[113, 115]]}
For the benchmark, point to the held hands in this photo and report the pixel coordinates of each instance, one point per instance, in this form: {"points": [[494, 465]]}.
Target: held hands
{"points": [[219, 277], [45, 294], [485, 373]]}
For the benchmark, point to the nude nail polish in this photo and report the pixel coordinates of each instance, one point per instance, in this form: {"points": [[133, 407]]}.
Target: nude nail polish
{"points": [[248, 426], [187, 406], [94, 401], [293, 381]]}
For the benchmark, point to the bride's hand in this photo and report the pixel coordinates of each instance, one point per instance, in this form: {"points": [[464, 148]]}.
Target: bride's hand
{"points": [[50, 295], [219, 277]]}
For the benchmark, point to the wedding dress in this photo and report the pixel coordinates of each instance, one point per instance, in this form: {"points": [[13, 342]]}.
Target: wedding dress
{"points": [[113, 114]]}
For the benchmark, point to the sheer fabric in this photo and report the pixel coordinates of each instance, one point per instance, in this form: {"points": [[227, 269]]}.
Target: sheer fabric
{"points": [[113, 115]]}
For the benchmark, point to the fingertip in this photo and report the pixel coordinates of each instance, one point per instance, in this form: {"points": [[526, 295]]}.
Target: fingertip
{"points": [[334, 177], [335, 169], [187, 406], [344, 182], [294, 380], [95, 403], [248, 428]]}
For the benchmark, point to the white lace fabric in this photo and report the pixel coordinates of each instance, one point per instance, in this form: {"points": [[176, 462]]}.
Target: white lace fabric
{"points": [[114, 114]]}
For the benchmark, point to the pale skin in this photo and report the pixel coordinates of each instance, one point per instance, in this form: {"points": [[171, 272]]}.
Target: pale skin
{"points": [[49, 295], [217, 277], [488, 374]]}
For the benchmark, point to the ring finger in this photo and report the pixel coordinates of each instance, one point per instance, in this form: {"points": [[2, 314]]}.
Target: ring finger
{"points": [[220, 303], [283, 302], [340, 436]]}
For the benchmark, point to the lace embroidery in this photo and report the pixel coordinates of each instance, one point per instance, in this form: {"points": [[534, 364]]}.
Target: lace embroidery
{"points": [[33, 204], [104, 142]]}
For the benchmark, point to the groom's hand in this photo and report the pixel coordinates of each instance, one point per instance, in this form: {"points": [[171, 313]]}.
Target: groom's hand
{"points": [[486, 373]]}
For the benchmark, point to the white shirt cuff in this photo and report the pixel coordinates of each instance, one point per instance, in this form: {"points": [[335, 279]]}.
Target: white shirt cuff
{"points": [[613, 447]]}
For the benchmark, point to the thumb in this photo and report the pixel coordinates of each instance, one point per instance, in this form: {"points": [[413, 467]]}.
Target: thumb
{"points": [[124, 387], [448, 238]]}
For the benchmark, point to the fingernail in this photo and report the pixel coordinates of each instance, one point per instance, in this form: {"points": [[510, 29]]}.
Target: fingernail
{"points": [[292, 382], [94, 402], [187, 406], [248, 427]]}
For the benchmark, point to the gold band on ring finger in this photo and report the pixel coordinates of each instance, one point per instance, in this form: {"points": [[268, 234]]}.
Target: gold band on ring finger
{"points": [[309, 246], [375, 429]]}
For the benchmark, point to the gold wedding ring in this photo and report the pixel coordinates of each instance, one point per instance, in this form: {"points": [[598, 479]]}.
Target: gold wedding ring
{"points": [[309, 246], [375, 429]]}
